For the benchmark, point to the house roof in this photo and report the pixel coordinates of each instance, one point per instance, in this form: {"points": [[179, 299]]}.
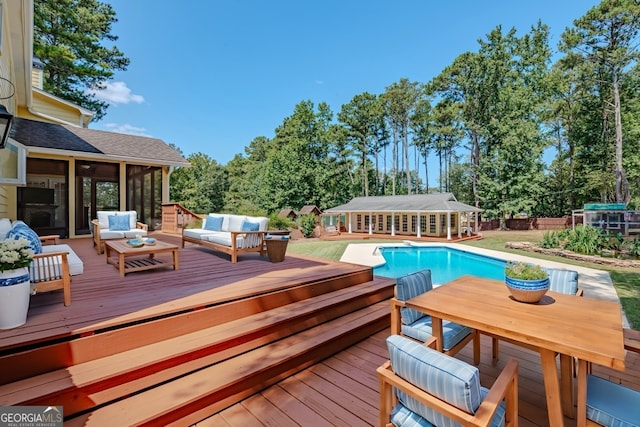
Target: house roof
{"points": [[438, 202], [306, 209], [286, 212], [61, 139]]}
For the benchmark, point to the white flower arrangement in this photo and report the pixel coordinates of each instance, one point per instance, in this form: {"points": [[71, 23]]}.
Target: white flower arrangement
{"points": [[15, 253]]}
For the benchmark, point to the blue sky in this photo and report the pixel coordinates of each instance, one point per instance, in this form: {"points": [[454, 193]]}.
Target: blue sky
{"points": [[210, 76]]}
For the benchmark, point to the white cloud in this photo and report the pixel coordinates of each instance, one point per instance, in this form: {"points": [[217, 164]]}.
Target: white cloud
{"points": [[116, 93], [319, 82], [125, 128]]}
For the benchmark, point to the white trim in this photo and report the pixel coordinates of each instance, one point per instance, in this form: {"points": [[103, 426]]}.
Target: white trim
{"points": [[104, 157], [21, 167]]}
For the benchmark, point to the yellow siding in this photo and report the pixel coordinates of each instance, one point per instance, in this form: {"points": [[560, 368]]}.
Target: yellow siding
{"points": [[59, 110], [36, 78]]}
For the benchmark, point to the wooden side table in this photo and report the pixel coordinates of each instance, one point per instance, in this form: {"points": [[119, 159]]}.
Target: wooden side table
{"points": [[276, 246]]}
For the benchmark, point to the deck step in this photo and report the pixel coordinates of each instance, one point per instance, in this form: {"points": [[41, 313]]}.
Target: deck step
{"points": [[47, 356], [196, 396], [96, 382]]}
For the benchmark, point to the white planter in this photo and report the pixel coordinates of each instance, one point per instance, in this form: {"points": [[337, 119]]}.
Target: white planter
{"points": [[15, 291]]}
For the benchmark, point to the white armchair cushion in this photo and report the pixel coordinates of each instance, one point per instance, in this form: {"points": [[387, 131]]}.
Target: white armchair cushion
{"points": [[103, 218], [76, 266], [5, 227]]}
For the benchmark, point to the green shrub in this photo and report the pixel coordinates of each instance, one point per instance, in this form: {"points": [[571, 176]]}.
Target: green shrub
{"points": [[634, 247], [585, 240], [550, 240], [308, 224], [277, 222], [611, 241]]}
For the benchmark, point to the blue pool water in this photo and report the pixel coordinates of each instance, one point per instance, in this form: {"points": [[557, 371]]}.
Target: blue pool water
{"points": [[445, 263]]}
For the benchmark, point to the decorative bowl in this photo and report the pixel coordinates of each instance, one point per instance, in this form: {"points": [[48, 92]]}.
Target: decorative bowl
{"points": [[135, 243], [529, 291], [149, 241]]}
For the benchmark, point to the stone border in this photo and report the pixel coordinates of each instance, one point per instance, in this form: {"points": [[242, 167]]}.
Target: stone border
{"points": [[595, 259]]}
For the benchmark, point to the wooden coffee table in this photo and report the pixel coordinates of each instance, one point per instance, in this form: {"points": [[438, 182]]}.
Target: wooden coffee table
{"points": [[128, 259]]}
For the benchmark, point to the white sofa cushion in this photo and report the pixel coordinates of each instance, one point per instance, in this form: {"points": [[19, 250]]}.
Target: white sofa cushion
{"points": [[235, 223], [262, 221], [197, 233], [223, 238]]}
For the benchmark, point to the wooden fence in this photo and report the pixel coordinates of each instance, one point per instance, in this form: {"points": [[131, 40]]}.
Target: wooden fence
{"points": [[529, 224]]}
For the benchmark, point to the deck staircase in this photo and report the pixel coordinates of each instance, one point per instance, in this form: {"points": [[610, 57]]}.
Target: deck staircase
{"points": [[181, 368]]}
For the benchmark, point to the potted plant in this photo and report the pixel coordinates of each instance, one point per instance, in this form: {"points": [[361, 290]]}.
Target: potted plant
{"points": [[15, 286], [526, 282]]}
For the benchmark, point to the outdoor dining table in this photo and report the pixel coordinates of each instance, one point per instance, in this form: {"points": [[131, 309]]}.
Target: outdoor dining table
{"points": [[588, 329]]}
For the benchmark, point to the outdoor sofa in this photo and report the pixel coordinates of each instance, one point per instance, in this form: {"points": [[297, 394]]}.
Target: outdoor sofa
{"points": [[231, 234]]}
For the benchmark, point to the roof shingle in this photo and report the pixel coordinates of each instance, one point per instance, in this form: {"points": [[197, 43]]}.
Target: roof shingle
{"points": [[36, 134]]}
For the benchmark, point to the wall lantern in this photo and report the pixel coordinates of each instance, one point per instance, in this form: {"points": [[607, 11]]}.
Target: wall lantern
{"points": [[5, 125], [5, 116]]}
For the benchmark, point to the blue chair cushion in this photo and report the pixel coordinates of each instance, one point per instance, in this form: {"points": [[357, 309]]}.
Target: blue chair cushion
{"points": [[213, 223], [20, 229], [452, 333], [411, 286], [612, 404], [119, 223], [401, 416], [442, 376], [564, 281], [249, 226]]}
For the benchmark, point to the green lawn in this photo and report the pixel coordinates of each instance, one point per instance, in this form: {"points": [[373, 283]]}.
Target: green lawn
{"points": [[625, 280]]}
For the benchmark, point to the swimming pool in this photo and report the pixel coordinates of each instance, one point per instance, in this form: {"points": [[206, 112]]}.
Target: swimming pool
{"points": [[445, 263]]}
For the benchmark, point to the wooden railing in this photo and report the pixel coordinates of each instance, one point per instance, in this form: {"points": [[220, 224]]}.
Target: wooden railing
{"points": [[175, 217]]}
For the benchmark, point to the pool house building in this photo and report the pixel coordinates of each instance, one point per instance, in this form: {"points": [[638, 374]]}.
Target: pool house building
{"points": [[419, 215]]}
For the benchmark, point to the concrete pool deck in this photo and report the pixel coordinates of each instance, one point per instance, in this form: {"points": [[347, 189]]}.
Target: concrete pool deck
{"points": [[595, 283]]}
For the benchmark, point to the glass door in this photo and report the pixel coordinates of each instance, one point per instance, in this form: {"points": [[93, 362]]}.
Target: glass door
{"points": [[97, 189]]}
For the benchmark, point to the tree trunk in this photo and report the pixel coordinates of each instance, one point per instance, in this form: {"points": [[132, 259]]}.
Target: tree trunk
{"points": [[475, 164], [622, 184], [405, 148]]}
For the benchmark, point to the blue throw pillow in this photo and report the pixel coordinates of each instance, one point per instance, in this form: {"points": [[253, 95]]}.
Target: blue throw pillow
{"points": [[213, 223], [119, 223], [20, 229], [250, 226]]}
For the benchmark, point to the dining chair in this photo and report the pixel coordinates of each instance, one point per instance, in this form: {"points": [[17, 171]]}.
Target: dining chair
{"points": [[417, 325], [561, 281], [420, 386], [610, 403]]}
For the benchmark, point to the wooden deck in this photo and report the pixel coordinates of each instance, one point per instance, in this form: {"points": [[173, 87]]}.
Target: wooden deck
{"points": [[340, 389], [101, 299], [343, 390]]}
